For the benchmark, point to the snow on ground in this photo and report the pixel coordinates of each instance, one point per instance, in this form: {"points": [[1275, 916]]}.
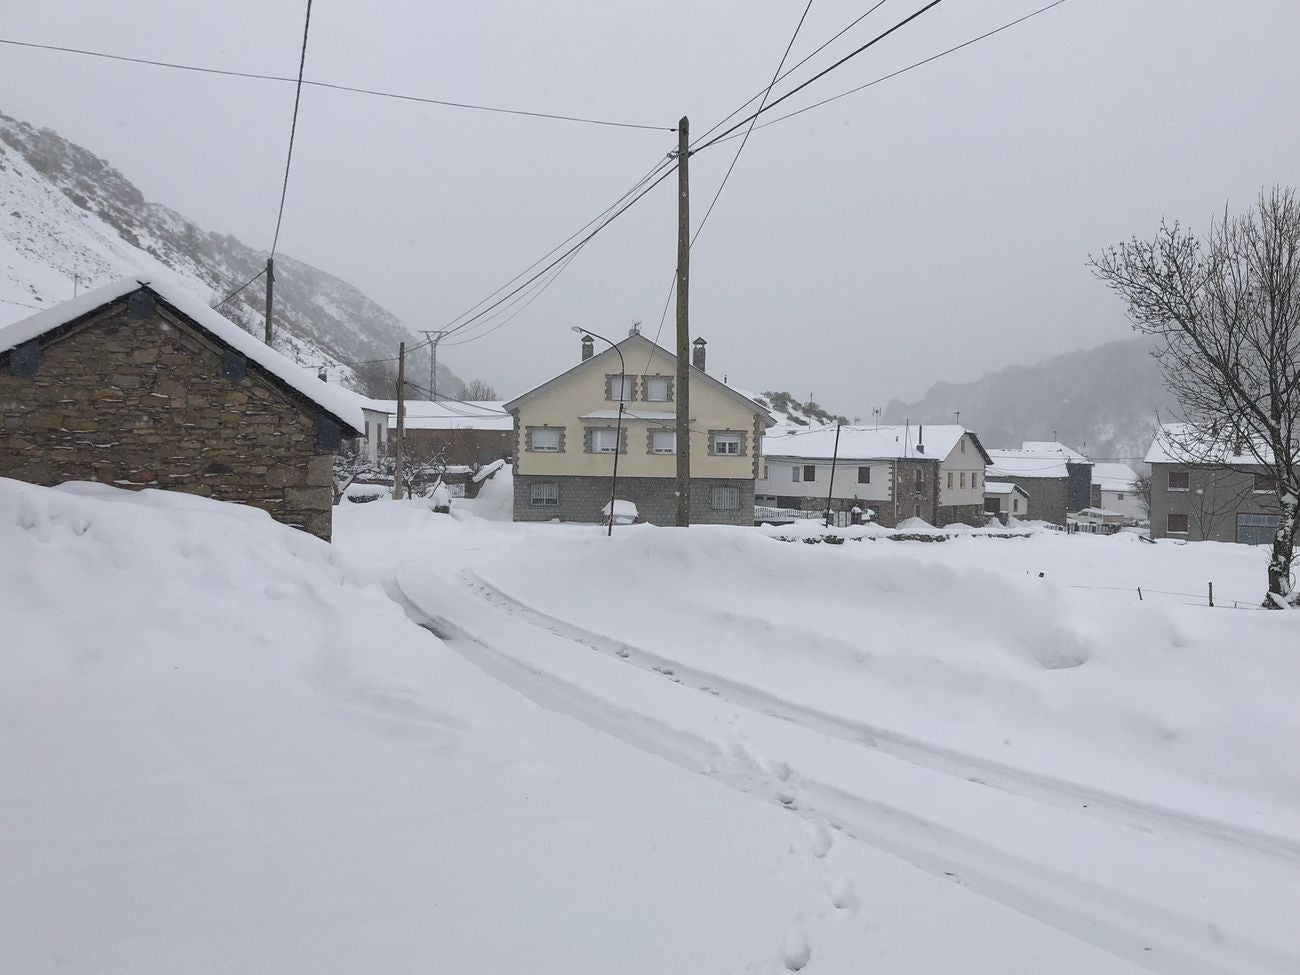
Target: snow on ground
{"points": [[228, 747]]}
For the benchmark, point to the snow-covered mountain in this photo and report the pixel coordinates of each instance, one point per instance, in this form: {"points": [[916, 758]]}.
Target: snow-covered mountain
{"points": [[1103, 401], [67, 214]]}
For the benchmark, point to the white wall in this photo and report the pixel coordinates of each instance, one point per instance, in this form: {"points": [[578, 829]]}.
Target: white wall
{"points": [[964, 460], [780, 482]]}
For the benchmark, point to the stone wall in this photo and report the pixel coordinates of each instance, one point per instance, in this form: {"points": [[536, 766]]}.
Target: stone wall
{"points": [[960, 514], [460, 446], [582, 498], [144, 402], [1047, 497]]}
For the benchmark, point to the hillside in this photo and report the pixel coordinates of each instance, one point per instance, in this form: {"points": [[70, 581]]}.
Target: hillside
{"points": [[1103, 401], [68, 214]]}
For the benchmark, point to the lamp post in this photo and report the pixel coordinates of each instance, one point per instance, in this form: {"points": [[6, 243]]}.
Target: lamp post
{"points": [[618, 429]]}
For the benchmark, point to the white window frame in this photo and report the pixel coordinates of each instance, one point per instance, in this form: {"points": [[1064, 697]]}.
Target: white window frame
{"points": [[1186, 520], [624, 384], [654, 438], [603, 433], [651, 382], [730, 440], [1179, 490], [796, 474], [547, 448]]}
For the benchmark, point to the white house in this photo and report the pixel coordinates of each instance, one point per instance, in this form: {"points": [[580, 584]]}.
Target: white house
{"points": [[935, 473], [1006, 500], [1114, 488]]}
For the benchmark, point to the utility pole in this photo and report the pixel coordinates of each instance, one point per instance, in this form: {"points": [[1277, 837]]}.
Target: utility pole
{"points": [[830, 491], [683, 392], [401, 422], [433, 337], [270, 295]]}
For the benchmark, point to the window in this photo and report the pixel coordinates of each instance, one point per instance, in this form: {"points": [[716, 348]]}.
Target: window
{"points": [[545, 494], [726, 498], [963, 445], [795, 471], [546, 440], [1015, 504], [728, 444], [1178, 481], [663, 441], [864, 475], [620, 388], [1119, 497], [950, 480], [604, 440], [1265, 484], [810, 472], [975, 479], [963, 478], [1177, 523], [657, 389]]}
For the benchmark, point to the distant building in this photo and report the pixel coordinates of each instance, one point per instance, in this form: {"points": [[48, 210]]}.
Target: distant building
{"points": [[1057, 479], [931, 472], [1114, 488], [1005, 500], [142, 385], [567, 435], [463, 433], [1210, 488]]}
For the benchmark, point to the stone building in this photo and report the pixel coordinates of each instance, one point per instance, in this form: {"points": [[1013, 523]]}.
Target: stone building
{"points": [[567, 436], [471, 433], [1057, 479], [142, 385], [931, 472]]}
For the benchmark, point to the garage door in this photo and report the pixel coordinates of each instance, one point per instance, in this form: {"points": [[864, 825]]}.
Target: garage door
{"points": [[1257, 529]]}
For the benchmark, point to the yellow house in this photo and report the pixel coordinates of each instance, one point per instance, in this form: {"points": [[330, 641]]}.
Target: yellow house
{"points": [[567, 435]]}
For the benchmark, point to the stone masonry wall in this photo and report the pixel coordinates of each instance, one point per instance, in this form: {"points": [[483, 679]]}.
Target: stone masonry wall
{"points": [[144, 403], [582, 498]]}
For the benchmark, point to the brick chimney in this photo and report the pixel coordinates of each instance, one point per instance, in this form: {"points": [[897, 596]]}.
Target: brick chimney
{"points": [[588, 347], [920, 438], [697, 356]]}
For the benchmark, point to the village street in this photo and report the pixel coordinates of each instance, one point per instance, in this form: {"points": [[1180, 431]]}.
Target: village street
{"points": [[1129, 833]]}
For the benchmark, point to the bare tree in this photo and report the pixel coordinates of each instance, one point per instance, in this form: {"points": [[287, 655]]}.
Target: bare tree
{"points": [[476, 390], [1142, 486], [377, 380], [1227, 309]]}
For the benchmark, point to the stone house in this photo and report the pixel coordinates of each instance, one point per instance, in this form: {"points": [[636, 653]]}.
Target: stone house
{"points": [[141, 385], [566, 438], [1210, 489], [935, 473], [1057, 479], [1005, 500]]}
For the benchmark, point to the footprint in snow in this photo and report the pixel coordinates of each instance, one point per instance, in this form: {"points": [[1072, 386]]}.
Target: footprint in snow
{"points": [[796, 951], [843, 897]]}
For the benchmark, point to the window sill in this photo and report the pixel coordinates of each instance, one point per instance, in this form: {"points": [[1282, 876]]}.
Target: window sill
{"points": [[1178, 490]]}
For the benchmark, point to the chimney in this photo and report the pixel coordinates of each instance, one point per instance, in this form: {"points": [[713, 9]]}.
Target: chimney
{"points": [[920, 439], [635, 329], [588, 347], [697, 357]]}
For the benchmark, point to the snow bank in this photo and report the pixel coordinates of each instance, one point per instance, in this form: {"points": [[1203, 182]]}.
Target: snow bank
{"points": [[958, 645]]}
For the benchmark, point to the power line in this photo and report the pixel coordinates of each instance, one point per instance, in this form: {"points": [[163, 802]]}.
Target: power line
{"points": [[767, 94], [825, 71], [835, 37], [915, 64], [293, 130], [256, 76], [239, 289]]}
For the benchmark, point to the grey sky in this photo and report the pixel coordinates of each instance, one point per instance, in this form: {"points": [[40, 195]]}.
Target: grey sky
{"points": [[932, 227]]}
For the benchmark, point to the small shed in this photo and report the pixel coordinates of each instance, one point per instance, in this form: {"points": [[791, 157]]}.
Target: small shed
{"points": [[139, 384], [1005, 499]]}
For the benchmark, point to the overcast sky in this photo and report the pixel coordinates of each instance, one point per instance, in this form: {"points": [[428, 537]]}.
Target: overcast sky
{"points": [[933, 227]]}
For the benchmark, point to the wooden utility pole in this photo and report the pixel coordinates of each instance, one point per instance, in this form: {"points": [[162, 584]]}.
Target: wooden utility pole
{"points": [[683, 392], [270, 295], [401, 422]]}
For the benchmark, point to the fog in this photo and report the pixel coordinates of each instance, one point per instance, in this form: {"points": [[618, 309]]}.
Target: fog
{"points": [[932, 227]]}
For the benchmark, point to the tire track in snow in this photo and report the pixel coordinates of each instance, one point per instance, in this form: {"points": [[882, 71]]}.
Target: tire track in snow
{"points": [[1047, 789], [1107, 917]]}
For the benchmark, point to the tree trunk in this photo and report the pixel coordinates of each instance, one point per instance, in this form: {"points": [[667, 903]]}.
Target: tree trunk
{"points": [[1279, 566]]}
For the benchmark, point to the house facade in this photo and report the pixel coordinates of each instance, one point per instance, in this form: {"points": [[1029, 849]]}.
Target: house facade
{"points": [[567, 433], [1005, 500], [1205, 489], [1057, 479], [1114, 488], [470, 433], [935, 473], [141, 385]]}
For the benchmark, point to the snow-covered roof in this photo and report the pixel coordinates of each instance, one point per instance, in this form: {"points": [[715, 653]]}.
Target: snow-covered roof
{"points": [[1052, 447], [1102, 513], [448, 414], [1022, 463], [1183, 443], [340, 403], [1114, 477], [1003, 487], [867, 443]]}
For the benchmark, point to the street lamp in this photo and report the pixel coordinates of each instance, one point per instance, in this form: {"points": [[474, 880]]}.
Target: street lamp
{"points": [[618, 429]]}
